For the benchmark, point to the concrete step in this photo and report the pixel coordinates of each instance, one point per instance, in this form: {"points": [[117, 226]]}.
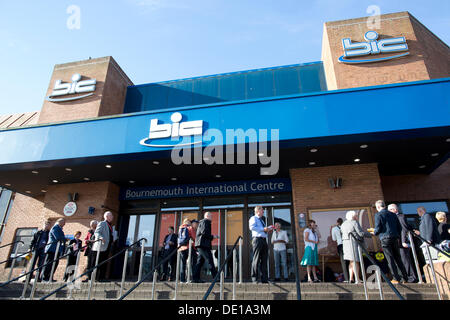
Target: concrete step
{"points": [[246, 291]]}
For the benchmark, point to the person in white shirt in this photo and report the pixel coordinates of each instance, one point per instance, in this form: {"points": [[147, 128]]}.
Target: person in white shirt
{"points": [[336, 235], [259, 244], [279, 241]]}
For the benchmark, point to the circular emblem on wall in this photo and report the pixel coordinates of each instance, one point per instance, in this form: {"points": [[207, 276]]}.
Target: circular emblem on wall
{"points": [[70, 208]]}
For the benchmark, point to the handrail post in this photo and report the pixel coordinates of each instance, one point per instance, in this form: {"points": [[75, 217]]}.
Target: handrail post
{"points": [[432, 271], [33, 288], [416, 261], [54, 261], [75, 274], [124, 271], [13, 262], [363, 270], [240, 260], [222, 276], [27, 280], [155, 276], [378, 276], [189, 263], [141, 263], [234, 273], [94, 273], [177, 275]]}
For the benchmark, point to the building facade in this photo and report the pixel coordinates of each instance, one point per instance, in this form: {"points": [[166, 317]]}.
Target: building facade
{"points": [[307, 141]]}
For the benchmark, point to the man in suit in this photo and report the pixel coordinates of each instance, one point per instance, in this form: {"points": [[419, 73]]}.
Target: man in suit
{"points": [[56, 235], [38, 244], [259, 243], [203, 245], [388, 228], [428, 230], [169, 245], [405, 248], [104, 232]]}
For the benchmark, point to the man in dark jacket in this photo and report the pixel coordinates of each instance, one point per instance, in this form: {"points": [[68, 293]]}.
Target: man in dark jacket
{"points": [[169, 245], [203, 241], [405, 248], [388, 229], [37, 246], [428, 230]]}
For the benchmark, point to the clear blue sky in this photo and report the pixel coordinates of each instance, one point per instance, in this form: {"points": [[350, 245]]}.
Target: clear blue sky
{"points": [[157, 40]]}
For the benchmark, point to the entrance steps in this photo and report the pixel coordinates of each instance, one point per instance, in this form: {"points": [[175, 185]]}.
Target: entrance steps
{"points": [[244, 291]]}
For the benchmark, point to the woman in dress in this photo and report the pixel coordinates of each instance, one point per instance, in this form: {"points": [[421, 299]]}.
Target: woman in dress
{"points": [[351, 225], [311, 257]]}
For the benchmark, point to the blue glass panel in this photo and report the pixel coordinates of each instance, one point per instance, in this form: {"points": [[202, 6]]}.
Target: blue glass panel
{"points": [[312, 78], [232, 87], [260, 84], [206, 91], [286, 81], [180, 94]]}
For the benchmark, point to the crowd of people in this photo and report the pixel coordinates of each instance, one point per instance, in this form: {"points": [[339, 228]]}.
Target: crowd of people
{"points": [[390, 227], [50, 243], [392, 230]]}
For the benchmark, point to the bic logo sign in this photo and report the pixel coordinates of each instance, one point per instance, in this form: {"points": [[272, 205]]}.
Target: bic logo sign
{"points": [[173, 130], [372, 47], [77, 86]]}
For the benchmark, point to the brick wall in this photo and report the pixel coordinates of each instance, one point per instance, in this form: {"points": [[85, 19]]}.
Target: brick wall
{"points": [[428, 57], [310, 190]]}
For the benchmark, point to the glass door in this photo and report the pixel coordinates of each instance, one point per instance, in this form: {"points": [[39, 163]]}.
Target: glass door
{"points": [[140, 226]]}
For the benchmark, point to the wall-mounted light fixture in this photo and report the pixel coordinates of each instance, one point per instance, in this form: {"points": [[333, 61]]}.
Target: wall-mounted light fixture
{"points": [[335, 183]]}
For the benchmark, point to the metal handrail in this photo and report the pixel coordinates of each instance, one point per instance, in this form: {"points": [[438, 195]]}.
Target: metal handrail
{"points": [[92, 269], [221, 269], [23, 254], [397, 293], [430, 244], [41, 267], [149, 273], [6, 245]]}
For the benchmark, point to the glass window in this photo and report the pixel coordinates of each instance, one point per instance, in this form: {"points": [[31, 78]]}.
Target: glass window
{"points": [[273, 199], [167, 220], [25, 235], [432, 206], [234, 225], [147, 228], [181, 204], [326, 220], [131, 230]]}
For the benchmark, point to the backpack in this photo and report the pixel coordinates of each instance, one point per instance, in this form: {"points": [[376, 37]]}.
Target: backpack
{"points": [[183, 238]]}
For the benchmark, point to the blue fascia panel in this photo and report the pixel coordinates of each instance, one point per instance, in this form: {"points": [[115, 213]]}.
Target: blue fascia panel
{"points": [[408, 106]]}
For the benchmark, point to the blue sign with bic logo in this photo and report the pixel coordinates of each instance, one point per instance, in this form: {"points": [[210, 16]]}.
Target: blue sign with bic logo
{"points": [[372, 47]]}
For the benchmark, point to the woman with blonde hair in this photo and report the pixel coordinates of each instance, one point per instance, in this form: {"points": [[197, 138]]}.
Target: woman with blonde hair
{"points": [[350, 245], [444, 227]]}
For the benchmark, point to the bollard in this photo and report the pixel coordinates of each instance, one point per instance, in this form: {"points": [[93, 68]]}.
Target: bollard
{"points": [[155, 276], [13, 262], [124, 271], [380, 289], [432, 271], [177, 275], [142, 259], [416, 261], [94, 273], [54, 261], [363, 271]]}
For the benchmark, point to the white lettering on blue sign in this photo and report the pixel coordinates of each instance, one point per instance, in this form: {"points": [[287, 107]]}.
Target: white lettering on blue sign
{"points": [[372, 46], [173, 130]]}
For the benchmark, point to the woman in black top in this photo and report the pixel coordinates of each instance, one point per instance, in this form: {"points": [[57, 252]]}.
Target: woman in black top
{"points": [[74, 247]]}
